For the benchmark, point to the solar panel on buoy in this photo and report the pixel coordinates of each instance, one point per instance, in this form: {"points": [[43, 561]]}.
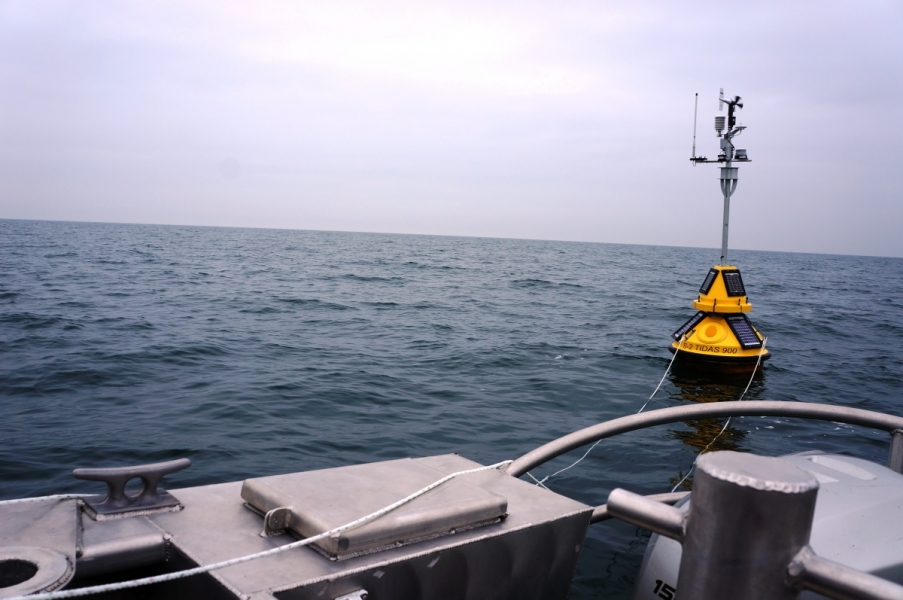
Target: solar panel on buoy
{"points": [[693, 322], [709, 280], [734, 283], [744, 331]]}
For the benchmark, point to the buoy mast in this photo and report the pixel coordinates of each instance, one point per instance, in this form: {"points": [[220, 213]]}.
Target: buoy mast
{"points": [[728, 155]]}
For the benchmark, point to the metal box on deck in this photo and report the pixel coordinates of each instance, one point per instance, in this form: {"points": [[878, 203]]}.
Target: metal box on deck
{"points": [[323, 500], [530, 554]]}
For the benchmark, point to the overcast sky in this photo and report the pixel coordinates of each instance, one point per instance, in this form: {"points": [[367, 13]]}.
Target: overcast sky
{"points": [[554, 120]]}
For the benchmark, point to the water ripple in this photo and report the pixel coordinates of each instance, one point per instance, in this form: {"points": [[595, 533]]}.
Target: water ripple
{"points": [[261, 351]]}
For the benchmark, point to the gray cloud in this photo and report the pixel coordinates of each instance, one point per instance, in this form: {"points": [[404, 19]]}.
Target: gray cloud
{"points": [[565, 121]]}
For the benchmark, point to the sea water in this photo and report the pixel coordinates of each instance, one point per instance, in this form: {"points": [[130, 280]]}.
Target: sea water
{"points": [[254, 352]]}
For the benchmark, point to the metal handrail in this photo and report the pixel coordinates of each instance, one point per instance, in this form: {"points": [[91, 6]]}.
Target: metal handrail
{"points": [[601, 512], [751, 408]]}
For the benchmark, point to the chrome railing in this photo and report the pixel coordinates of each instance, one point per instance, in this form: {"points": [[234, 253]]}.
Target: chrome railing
{"points": [[750, 408]]}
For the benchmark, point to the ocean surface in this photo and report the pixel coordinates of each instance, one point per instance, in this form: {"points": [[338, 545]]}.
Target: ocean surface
{"points": [[256, 352]]}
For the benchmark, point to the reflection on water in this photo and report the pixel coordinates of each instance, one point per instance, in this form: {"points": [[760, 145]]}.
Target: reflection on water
{"points": [[709, 435]]}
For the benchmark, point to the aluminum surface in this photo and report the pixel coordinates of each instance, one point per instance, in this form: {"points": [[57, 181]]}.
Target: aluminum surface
{"points": [[325, 499], [647, 513], [530, 554], [857, 524], [30, 569], [111, 546], [600, 513], [838, 581], [750, 516], [895, 462], [44, 533]]}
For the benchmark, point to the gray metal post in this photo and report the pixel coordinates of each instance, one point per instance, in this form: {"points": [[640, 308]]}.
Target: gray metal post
{"points": [[728, 185], [727, 210], [895, 460], [749, 517]]}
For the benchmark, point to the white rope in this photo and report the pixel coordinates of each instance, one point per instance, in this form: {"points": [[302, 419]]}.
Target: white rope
{"points": [[668, 370], [538, 482], [726, 423], [575, 463], [122, 585], [44, 498]]}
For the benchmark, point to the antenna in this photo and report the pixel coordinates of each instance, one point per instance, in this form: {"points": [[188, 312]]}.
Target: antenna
{"points": [[720, 99], [695, 110]]}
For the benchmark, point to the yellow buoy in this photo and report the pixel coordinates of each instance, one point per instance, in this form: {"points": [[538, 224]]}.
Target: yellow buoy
{"points": [[720, 335]]}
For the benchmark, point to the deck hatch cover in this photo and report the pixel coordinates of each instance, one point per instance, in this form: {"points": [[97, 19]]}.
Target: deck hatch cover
{"points": [[708, 281], [733, 283], [693, 322], [325, 499], [744, 331]]}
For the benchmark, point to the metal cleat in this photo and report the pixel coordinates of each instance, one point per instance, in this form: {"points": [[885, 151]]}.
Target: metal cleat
{"points": [[117, 503]]}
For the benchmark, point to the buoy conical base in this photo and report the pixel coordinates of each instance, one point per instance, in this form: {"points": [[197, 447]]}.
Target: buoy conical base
{"points": [[720, 336]]}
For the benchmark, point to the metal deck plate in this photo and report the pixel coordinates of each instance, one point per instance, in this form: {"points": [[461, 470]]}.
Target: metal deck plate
{"points": [[43, 533], [323, 500], [530, 555]]}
